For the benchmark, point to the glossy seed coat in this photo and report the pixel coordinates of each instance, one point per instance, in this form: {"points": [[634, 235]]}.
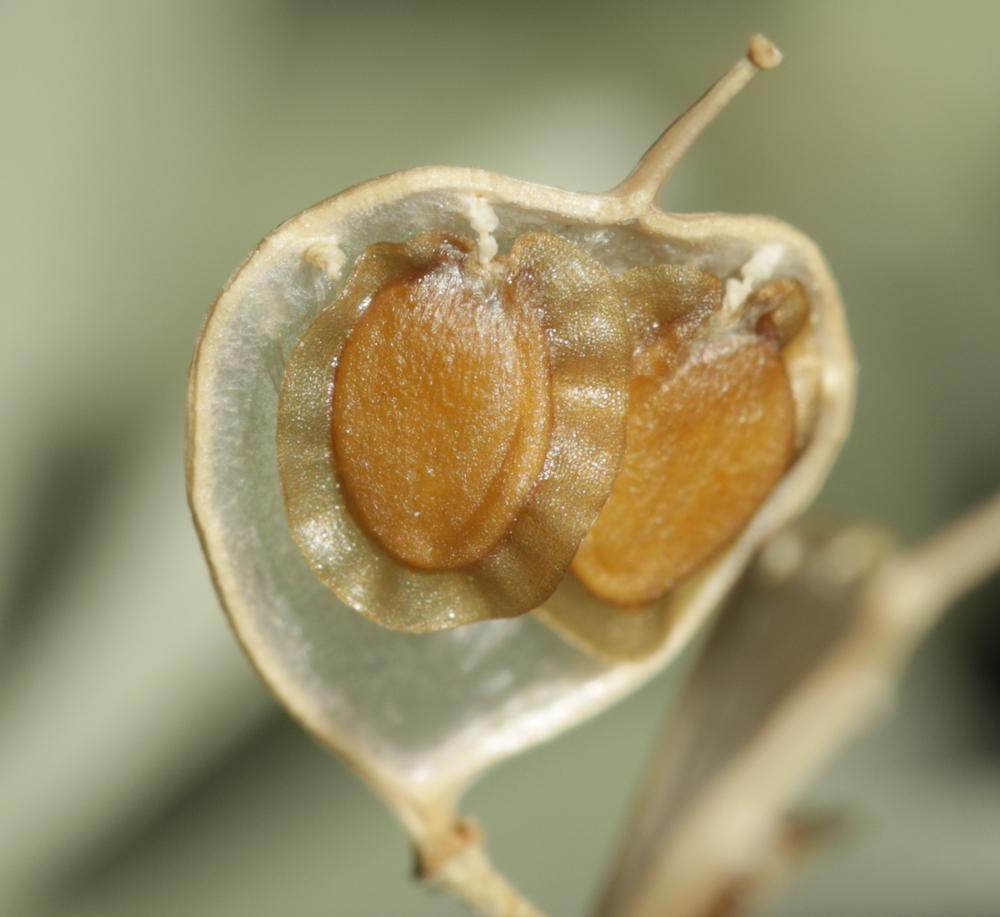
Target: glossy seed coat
{"points": [[710, 431], [441, 413]]}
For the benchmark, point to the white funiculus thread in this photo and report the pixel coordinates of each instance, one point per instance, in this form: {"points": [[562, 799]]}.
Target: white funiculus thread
{"points": [[327, 256], [483, 220], [758, 269]]}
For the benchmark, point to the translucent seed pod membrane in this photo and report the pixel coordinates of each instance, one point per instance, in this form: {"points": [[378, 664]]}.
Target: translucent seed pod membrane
{"points": [[450, 426], [471, 457]]}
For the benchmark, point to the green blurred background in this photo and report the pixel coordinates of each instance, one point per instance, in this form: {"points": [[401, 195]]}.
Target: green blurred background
{"points": [[148, 146]]}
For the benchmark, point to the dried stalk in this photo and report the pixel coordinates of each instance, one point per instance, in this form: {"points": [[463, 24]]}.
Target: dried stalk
{"points": [[457, 864], [789, 677]]}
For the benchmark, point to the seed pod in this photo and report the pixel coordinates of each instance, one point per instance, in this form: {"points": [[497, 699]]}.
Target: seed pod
{"points": [[546, 307]]}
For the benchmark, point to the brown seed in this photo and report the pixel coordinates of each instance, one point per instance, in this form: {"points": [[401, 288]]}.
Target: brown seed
{"points": [[450, 425], [710, 432], [441, 413]]}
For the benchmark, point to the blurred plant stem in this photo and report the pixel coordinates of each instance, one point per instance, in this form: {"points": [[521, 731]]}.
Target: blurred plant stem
{"points": [[792, 673]]}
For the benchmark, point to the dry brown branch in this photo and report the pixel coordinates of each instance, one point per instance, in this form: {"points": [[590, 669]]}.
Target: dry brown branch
{"points": [[791, 674]]}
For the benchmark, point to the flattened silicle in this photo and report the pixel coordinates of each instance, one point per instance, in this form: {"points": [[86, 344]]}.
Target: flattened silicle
{"points": [[287, 535]]}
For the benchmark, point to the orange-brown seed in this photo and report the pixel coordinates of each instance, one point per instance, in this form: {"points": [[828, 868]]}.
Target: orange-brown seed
{"points": [[441, 414], [710, 431]]}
